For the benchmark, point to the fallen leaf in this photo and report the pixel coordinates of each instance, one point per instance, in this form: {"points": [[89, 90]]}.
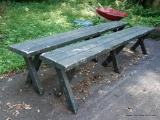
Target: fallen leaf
{"points": [[16, 113], [10, 106], [8, 118], [38, 110], [18, 106], [20, 90], [101, 92], [26, 107], [130, 109], [5, 111], [108, 81]]}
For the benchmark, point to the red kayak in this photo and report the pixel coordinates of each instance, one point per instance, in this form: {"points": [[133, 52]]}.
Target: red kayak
{"points": [[111, 14]]}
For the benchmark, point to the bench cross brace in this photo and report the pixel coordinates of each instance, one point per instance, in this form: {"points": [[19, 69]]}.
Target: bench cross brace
{"points": [[33, 75], [114, 61], [96, 59], [141, 43], [37, 62], [58, 90], [65, 86], [109, 58]]}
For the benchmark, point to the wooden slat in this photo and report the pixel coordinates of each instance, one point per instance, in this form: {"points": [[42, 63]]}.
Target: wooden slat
{"points": [[74, 60], [57, 54], [33, 47], [62, 53]]}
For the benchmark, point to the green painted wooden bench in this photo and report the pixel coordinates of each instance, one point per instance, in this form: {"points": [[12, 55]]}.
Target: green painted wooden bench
{"points": [[67, 58], [31, 50]]}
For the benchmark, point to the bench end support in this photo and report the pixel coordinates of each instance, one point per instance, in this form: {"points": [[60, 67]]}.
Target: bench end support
{"points": [[65, 86]]}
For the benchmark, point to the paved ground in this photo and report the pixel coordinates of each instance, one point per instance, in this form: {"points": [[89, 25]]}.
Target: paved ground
{"points": [[103, 95]]}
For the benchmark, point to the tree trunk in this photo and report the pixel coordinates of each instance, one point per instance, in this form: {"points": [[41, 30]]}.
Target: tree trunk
{"points": [[155, 3]]}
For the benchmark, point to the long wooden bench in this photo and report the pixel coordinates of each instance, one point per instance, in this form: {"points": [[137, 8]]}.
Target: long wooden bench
{"points": [[66, 59], [31, 50]]}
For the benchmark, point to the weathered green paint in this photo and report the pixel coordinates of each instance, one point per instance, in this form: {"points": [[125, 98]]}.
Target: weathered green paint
{"points": [[69, 57], [38, 46], [141, 43], [70, 74], [64, 82], [144, 51], [114, 61], [109, 58], [34, 48], [37, 62], [34, 76]]}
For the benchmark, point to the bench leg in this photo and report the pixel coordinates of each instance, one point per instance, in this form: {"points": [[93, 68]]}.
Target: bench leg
{"points": [[70, 74], [109, 58], [37, 62], [114, 61], [64, 83], [34, 76], [141, 43], [144, 51], [58, 90]]}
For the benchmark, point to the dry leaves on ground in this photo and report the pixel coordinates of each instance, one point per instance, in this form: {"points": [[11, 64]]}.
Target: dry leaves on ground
{"points": [[8, 118], [130, 109], [134, 53], [83, 86], [114, 76], [19, 106], [87, 68]]}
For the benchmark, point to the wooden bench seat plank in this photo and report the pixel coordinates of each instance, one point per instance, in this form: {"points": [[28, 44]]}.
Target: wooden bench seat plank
{"points": [[73, 60], [33, 47], [83, 57], [61, 53]]}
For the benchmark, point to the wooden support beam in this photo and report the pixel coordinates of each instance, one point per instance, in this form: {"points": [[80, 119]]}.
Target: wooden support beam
{"points": [[64, 83], [70, 74], [114, 61], [143, 48], [141, 43], [34, 76], [109, 58], [37, 62]]}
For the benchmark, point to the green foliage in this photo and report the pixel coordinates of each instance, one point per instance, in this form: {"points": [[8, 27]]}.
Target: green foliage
{"points": [[21, 21], [138, 10]]}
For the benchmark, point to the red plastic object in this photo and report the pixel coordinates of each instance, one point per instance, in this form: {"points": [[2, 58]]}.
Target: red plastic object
{"points": [[111, 14]]}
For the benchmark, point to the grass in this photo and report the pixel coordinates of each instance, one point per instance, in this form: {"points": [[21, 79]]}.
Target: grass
{"points": [[25, 21]]}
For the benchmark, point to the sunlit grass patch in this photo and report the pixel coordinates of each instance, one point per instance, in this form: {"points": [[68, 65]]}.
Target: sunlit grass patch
{"points": [[30, 20]]}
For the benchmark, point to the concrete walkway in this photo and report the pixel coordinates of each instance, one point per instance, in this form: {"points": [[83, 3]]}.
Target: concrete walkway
{"points": [[103, 95]]}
